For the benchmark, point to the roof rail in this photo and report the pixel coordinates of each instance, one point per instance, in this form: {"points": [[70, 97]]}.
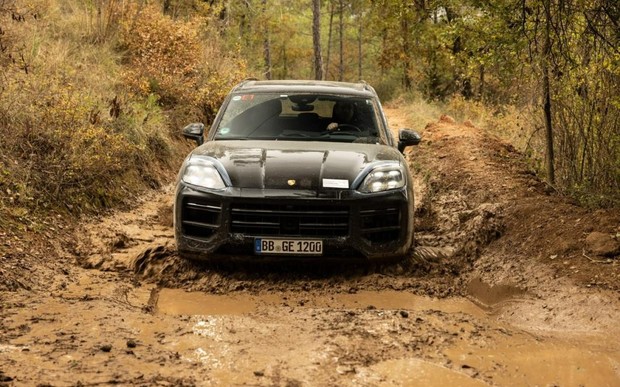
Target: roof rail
{"points": [[367, 86], [246, 80]]}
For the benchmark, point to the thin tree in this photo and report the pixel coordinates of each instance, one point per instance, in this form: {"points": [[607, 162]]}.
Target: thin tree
{"points": [[340, 32], [546, 60], [316, 39], [266, 42], [329, 37], [359, 42], [406, 44]]}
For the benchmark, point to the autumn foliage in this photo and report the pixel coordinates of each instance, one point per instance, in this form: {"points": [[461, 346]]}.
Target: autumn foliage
{"points": [[178, 61], [164, 56], [93, 93], [91, 97]]}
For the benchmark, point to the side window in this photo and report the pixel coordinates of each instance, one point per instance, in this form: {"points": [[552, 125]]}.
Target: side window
{"points": [[382, 127]]}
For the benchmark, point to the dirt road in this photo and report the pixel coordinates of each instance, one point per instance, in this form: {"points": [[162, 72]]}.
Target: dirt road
{"points": [[510, 285]]}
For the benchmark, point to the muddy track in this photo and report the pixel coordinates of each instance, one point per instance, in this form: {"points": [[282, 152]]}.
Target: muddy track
{"points": [[503, 289]]}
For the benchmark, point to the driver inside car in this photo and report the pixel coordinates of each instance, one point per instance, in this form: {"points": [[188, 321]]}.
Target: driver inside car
{"points": [[342, 115]]}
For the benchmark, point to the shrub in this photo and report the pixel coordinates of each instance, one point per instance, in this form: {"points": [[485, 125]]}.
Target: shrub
{"points": [[72, 137], [62, 156], [77, 135], [182, 63], [163, 55]]}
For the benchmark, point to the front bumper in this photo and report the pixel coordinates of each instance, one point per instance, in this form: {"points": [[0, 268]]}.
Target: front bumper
{"points": [[353, 226]]}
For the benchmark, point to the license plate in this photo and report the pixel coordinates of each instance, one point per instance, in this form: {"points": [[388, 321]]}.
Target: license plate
{"points": [[288, 246]]}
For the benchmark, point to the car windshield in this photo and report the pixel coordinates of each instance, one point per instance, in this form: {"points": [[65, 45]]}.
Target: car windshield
{"points": [[300, 117]]}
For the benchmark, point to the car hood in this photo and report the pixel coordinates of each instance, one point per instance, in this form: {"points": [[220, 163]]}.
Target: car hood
{"points": [[296, 165]]}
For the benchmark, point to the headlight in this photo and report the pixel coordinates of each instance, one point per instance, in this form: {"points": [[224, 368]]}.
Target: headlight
{"points": [[203, 174], [383, 178]]}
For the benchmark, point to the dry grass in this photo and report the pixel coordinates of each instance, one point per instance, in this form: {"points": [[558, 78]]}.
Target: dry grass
{"points": [[513, 124], [78, 136], [419, 112], [517, 126], [522, 127]]}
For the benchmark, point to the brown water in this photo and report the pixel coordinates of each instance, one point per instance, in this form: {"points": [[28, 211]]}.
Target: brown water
{"points": [[464, 343], [178, 301]]}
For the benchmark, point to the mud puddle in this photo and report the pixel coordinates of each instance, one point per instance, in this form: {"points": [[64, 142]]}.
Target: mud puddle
{"points": [[389, 338], [491, 297], [180, 302]]}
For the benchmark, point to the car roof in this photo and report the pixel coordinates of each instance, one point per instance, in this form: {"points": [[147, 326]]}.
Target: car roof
{"points": [[361, 88]]}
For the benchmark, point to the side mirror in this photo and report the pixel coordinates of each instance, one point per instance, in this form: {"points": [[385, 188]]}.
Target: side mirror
{"points": [[195, 131], [407, 137]]}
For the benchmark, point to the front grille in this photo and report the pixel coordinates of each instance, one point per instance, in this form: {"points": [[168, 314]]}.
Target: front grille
{"points": [[380, 225], [290, 220], [200, 217]]}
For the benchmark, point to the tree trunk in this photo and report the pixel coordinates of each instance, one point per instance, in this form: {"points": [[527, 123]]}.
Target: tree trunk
{"points": [[405, 35], [329, 38], [316, 39], [284, 63], [267, 52], [547, 94], [266, 44], [481, 83], [340, 33], [359, 45]]}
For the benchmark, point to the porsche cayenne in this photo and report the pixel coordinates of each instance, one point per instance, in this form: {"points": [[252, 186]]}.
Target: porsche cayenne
{"points": [[295, 170]]}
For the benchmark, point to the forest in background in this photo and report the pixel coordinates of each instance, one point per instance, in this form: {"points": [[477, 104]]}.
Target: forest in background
{"points": [[93, 93]]}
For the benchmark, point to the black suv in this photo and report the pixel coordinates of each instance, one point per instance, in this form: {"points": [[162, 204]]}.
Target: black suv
{"points": [[296, 169]]}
